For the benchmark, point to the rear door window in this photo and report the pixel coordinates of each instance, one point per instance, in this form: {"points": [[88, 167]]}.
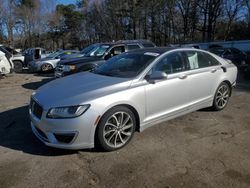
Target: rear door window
{"points": [[196, 60], [133, 46]]}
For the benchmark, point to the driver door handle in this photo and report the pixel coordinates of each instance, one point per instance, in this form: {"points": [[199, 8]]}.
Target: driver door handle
{"points": [[183, 76]]}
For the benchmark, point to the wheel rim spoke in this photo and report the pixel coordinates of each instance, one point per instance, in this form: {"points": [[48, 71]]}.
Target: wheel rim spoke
{"points": [[126, 133], [111, 124], [115, 140], [117, 122], [121, 119], [127, 127], [111, 137], [121, 138], [108, 132], [126, 120]]}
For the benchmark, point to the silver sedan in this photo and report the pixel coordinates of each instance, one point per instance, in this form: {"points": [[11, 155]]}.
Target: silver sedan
{"points": [[129, 93]]}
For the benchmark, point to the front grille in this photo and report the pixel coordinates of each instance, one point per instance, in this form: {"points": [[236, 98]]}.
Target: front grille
{"points": [[36, 108], [59, 68]]}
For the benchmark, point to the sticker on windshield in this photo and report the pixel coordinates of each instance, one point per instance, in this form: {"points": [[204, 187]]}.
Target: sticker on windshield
{"points": [[152, 54]]}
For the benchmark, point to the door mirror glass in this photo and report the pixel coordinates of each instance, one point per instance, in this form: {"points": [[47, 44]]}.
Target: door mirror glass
{"points": [[156, 75]]}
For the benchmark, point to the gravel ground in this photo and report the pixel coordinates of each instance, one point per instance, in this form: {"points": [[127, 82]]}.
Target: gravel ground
{"points": [[201, 149]]}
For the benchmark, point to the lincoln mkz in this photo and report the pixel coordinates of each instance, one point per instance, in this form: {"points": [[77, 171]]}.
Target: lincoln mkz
{"points": [[129, 93]]}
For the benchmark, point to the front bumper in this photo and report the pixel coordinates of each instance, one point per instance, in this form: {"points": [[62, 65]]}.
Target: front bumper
{"points": [[82, 130], [59, 74]]}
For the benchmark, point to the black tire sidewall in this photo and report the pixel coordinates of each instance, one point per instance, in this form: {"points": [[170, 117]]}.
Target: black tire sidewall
{"points": [[104, 119]]}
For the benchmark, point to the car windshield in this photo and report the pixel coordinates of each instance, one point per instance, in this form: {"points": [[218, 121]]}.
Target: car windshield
{"points": [[97, 51], [126, 65], [88, 49], [217, 51], [53, 54]]}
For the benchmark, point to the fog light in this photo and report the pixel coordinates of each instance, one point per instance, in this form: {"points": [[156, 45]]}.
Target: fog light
{"points": [[65, 138]]}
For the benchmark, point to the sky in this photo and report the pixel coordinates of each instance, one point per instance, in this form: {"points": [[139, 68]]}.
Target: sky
{"points": [[66, 1]]}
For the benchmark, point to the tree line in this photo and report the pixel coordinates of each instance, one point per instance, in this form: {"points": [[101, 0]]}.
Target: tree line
{"points": [[30, 23]]}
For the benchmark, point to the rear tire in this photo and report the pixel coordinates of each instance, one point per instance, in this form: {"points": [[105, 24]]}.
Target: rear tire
{"points": [[221, 97], [116, 128]]}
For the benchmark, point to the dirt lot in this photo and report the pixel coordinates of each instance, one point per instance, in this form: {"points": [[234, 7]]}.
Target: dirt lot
{"points": [[202, 149]]}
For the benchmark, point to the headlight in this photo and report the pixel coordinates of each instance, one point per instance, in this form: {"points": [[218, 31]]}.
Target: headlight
{"points": [[67, 112], [69, 68]]}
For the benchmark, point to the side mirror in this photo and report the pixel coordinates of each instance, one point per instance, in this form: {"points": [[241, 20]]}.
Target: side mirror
{"points": [[156, 75]]}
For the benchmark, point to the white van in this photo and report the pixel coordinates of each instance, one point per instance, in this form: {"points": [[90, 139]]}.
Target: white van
{"points": [[6, 65]]}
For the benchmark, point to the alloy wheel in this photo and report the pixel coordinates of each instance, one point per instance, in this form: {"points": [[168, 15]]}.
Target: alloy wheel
{"points": [[222, 96], [46, 67], [118, 129]]}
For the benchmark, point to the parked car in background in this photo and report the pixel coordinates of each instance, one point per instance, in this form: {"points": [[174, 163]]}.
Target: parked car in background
{"points": [[98, 55], [6, 65], [32, 54], [130, 92], [17, 58], [82, 53], [247, 72], [237, 57], [49, 63]]}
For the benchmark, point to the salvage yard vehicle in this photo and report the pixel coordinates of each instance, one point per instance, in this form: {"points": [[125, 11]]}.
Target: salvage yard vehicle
{"points": [[49, 63], [82, 53], [6, 65], [34, 54], [98, 55], [17, 58], [129, 93], [237, 57]]}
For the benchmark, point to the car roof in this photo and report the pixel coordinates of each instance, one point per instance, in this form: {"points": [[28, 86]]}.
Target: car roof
{"points": [[223, 48], [159, 50], [141, 41]]}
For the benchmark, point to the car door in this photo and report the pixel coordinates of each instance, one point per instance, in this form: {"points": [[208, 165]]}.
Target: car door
{"points": [[204, 71], [116, 50], [170, 96]]}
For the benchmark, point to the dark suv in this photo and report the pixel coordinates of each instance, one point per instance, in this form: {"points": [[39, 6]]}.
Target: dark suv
{"points": [[237, 57], [98, 55]]}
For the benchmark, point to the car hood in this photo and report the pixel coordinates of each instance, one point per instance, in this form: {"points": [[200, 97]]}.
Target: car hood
{"points": [[42, 59], [78, 89], [75, 61]]}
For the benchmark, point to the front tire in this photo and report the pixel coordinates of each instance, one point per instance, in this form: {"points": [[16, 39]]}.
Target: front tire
{"points": [[46, 67], [18, 66], [221, 97], [116, 128]]}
